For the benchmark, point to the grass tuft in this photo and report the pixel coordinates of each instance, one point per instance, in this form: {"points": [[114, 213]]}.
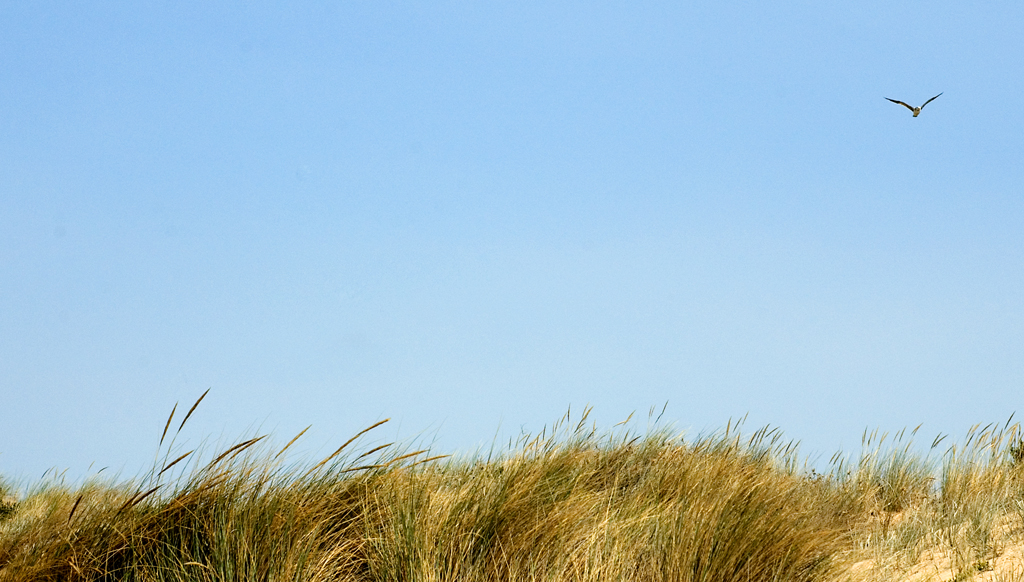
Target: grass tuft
{"points": [[572, 503]]}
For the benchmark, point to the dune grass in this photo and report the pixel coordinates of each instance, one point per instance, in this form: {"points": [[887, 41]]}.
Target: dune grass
{"points": [[572, 503]]}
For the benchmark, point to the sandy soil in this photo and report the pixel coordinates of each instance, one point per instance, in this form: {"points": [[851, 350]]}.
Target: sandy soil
{"points": [[1007, 565]]}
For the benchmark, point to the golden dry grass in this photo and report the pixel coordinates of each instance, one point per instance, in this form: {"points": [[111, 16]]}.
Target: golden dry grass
{"points": [[573, 504]]}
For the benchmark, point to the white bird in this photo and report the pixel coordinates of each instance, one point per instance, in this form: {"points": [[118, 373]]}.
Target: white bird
{"points": [[916, 110]]}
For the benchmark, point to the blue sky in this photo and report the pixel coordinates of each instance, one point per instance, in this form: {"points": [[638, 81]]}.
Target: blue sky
{"points": [[469, 217]]}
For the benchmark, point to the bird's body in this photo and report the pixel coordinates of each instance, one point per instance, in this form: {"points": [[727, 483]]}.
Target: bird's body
{"points": [[915, 110]]}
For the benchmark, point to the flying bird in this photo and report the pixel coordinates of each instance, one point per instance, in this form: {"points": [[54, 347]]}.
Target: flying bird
{"points": [[916, 110]]}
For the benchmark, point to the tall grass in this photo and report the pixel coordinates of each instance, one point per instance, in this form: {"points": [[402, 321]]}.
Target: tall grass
{"points": [[950, 512], [572, 503]]}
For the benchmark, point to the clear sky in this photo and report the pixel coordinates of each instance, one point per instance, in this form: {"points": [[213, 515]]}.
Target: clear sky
{"points": [[469, 216]]}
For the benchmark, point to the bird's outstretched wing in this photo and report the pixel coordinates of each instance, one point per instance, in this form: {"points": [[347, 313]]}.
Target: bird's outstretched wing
{"points": [[932, 99], [902, 103]]}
